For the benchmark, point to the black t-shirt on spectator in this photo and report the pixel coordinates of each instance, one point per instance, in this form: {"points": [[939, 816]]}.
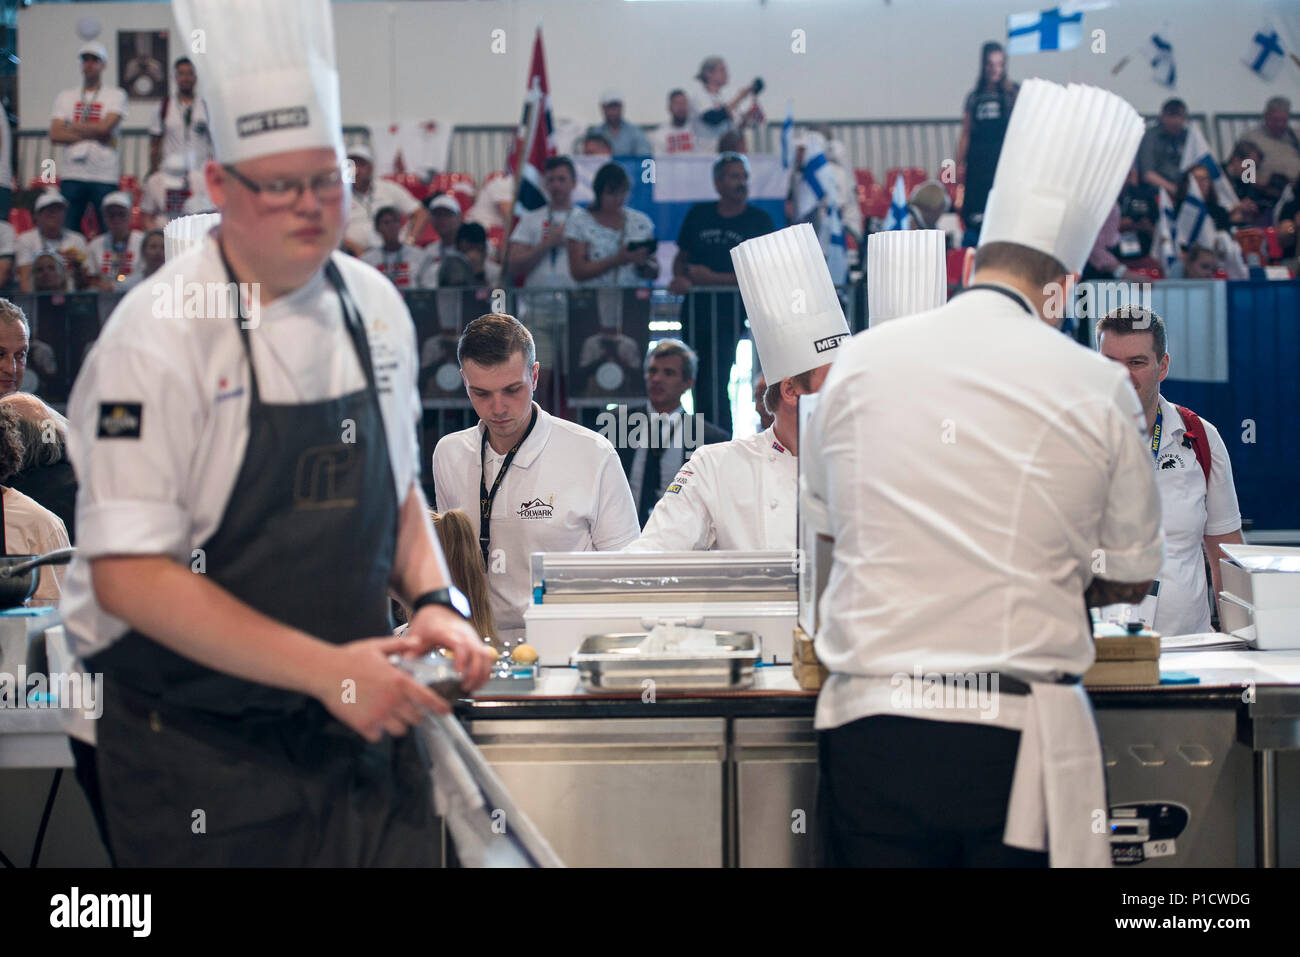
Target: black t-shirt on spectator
{"points": [[708, 238]]}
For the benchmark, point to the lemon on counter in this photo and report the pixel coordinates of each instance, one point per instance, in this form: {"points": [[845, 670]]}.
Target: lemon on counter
{"points": [[524, 654]]}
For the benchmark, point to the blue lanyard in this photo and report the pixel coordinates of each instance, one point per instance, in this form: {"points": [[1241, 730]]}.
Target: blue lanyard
{"points": [[1155, 433]]}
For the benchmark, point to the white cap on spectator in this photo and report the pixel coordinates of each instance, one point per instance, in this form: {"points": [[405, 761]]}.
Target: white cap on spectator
{"points": [[361, 151], [793, 311], [118, 198], [907, 273], [270, 80], [184, 233], [610, 96], [49, 198], [95, 49], [444, 202], [1064, 159], [175, 171]]}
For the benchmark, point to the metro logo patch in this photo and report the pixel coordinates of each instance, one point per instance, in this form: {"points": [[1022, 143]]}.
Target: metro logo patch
{"points": [[675, 488], [120, 420]]}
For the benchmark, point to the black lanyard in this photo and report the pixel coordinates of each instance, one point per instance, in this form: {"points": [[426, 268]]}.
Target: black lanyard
{"points": [[1001, 290], [485, 498]]}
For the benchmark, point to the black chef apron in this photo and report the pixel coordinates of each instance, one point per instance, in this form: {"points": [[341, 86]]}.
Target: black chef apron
{"points": [[200, 767], [990, 112]]}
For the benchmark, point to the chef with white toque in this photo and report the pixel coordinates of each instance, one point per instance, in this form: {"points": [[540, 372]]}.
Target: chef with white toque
{"points": [[907, 273], [985, 480]]}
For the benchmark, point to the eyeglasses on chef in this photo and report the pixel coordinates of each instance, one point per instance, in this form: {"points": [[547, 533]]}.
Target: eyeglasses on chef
{"points": [[281, 194]]}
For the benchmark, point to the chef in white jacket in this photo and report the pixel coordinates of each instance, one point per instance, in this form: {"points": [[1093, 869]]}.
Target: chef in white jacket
{"points": [[980, 473], [742, 495]]}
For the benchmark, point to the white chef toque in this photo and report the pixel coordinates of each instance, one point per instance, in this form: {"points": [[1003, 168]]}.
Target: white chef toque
{"points": [[907, 273], [793, 311], [269, 75], [184, 233], [1065, 156]]}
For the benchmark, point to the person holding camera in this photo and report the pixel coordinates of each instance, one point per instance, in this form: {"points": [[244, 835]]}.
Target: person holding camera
{"points": [[609, 244], [712, 114]]}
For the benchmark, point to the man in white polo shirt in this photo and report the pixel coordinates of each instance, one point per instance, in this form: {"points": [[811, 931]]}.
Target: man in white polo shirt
{"points": [[114, 255], [49, 236], [85, 120], [1198, 502], [180, 123], [535, 483]]}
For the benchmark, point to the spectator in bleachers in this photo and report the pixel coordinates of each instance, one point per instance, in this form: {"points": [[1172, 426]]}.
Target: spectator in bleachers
{"points": [[539, 254], [838, 156], [114, 255], [609, 244], [1280, 163], [1242, 214], [468, 264], [172, 192], [1198, 262], [153, 253], [49, 236], [369, 196], [1287, 219], [15, 344], [180, 123], [1160, 154], [403, 263], [50, 275], [85, 120], [1234, 168], [983, 127], [444, 213], [675, 136], [732, 141], [711, 113], [29, 528], [626, 139], [493, 204], [45, 473], [1139, 211], [704, 243], [596, 144], [1102, 262]]}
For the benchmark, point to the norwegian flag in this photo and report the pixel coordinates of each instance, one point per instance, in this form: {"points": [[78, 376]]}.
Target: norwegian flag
{"points": [[536, 134]]}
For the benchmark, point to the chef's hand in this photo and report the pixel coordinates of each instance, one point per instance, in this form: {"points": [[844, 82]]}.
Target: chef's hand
{"points": [[435, 626], [368, 694]]}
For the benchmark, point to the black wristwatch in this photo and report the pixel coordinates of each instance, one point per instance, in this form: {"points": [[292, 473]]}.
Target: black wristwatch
{"points": [[450, 597]]}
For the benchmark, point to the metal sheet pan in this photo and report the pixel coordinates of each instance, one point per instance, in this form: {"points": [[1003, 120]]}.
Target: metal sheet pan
{"points": [[614, 663]]}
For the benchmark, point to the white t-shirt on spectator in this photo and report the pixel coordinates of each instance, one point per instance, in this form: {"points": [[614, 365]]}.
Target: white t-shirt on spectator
{"points": [[157, 200], [668, 139], [90, 160], [707, 134], [8, 240], [32, 529], [485, 210], [360, 230], [100, 256], [603, 242], [552, 271], [403, 267], [192, 142], [31, 244]]}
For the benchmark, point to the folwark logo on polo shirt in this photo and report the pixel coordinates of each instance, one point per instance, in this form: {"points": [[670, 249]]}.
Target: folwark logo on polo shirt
{"points": [[120, 420], [268, 121], [537, 508], [830, 342]]}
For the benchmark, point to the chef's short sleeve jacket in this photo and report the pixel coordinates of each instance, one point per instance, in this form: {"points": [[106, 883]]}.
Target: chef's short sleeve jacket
{"points": [[159, 413]]}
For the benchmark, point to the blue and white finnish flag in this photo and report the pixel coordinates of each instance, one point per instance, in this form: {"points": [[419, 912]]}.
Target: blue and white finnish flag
{"points": [[1197, 152], [1167, 232], [787, 136], [1060, 28], [817, 200], [1265, 54], [1159, 54], [899, 217], [1194, 224]]}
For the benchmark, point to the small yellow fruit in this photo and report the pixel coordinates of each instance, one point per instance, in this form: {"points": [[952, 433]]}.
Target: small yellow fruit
{"points": [[524, 654]]}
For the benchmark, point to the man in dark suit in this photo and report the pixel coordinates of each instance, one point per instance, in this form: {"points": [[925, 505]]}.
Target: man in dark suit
{"points": [[669, 371]]}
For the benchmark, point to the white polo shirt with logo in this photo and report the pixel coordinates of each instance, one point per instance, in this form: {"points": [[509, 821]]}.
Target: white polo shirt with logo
{"points": [[1190, 510], [565, 491], [90, 160], [101, 259]]}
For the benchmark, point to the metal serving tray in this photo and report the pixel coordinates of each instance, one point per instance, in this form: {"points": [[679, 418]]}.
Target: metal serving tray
{"points": [[613, 663]]}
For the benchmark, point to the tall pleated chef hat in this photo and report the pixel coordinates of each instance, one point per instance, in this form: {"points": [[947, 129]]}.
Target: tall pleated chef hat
{"points": [[907, 273], [269, 75], [790, 298], [184, 233], [1066, 154]]}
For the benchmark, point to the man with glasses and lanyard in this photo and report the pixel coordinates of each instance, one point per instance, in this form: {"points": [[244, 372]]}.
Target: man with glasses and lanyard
{"points": [[180, 124], [250, 496]]}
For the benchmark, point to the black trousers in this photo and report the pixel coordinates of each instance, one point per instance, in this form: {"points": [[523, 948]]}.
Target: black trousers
{"points": [[912, 792]]}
